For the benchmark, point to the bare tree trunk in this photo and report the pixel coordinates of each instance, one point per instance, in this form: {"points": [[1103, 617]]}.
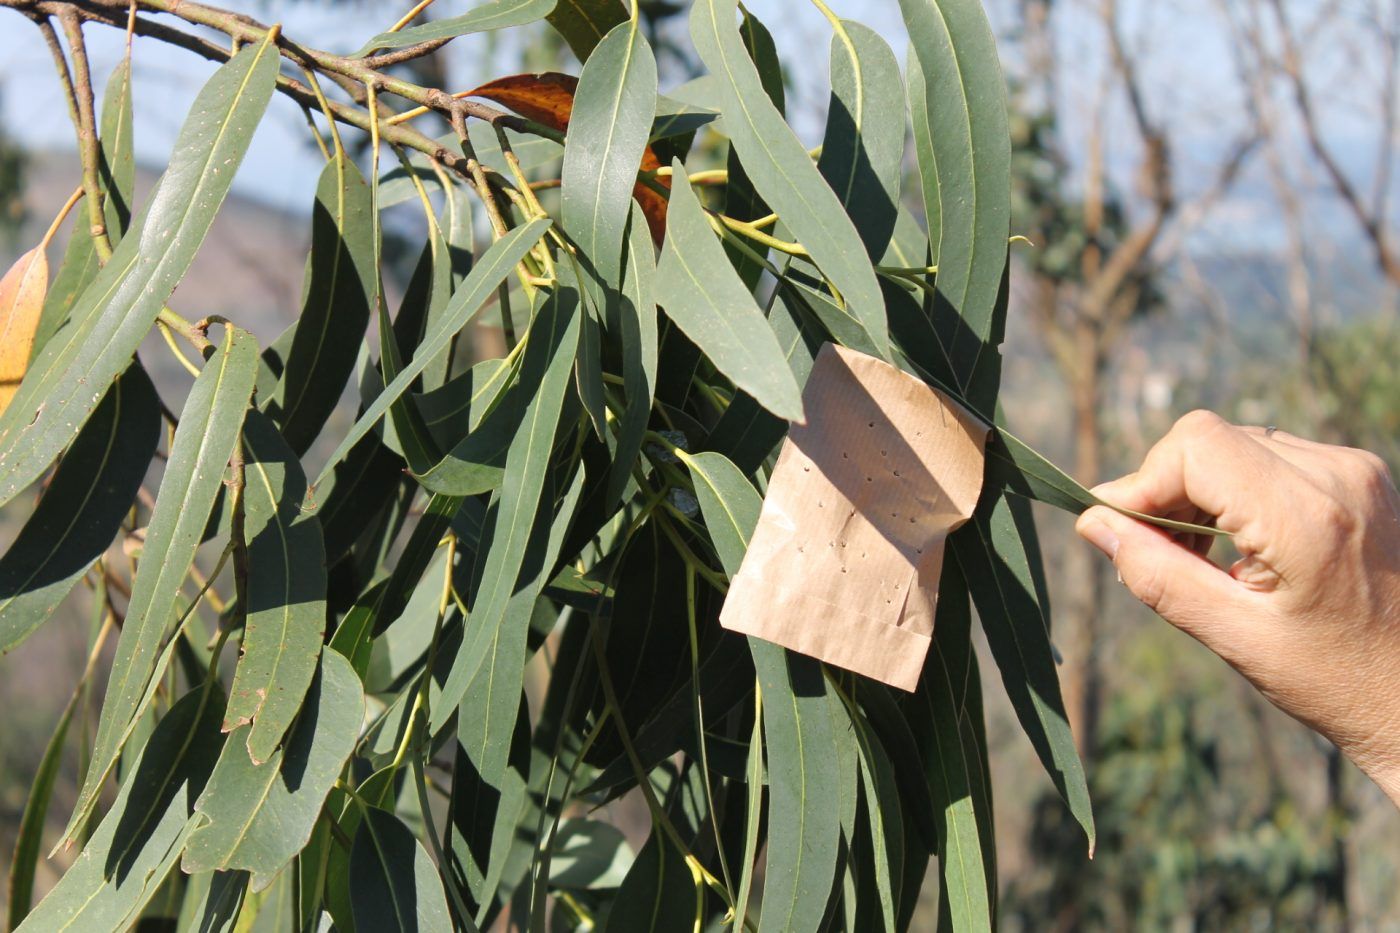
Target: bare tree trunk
{"points": [[1083, 680]]}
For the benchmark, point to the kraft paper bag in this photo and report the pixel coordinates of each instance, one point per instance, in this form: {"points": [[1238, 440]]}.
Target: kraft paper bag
{"points": [[844, 562]]}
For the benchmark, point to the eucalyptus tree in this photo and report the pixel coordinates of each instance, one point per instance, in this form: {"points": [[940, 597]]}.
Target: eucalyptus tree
{"points": [[369, 755]]}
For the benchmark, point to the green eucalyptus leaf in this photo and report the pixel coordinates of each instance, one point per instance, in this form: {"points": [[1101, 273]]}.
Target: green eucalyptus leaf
{"points": [[804, 789], [729, 503], [340, 284], [487, 710], [488, 272], [963, 144], [394, 886], [885, 818], [993, 561], [117, 180], [213, 901], [753, 816], [548, 360], [29, 836], [115, 312], [207, 436], [376, 791], [82, 509], [863, 147], [415, 439], [483, 815], [258, 816], [803, 757], [936, 712], [632, 321], [286, 618], [608, 127], [678, 118], [780, 169], [139, 839], [746, 433], [494, 14], [703, 295], [658, 892], [584, 23], [741, 201]]}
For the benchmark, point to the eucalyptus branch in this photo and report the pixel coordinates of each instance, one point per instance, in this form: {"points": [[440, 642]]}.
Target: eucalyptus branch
{"points": [[88, 148], [237, 533], [350, 74]]}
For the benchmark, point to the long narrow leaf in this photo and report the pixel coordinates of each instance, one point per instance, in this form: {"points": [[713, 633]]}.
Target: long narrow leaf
{"points": [[495, 14], [863, 147], [258, 816], [117, 179], [549, 356], [286, 619], [633, 320], [803, 820], [937, 709], [140, 837], [993, 561], [340, 280], [804, 787], [584, 23], [963, 143], [82, 509], [612, 115], [490, 270], [781, 170], [116, 311], [29, 836], [703, 295], [209, 429], [394, 886]]}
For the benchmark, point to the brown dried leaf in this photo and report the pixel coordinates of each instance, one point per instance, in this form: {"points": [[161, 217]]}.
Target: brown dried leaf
{"points": [[22, 292], [548, 97]]}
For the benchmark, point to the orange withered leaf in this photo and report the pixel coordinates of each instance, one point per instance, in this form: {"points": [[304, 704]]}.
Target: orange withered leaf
{"points": [[548, 97], [22, 292]]}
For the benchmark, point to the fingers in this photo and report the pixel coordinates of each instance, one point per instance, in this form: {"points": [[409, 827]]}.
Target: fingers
{"points": [[1171, 579], [1204, 464]]}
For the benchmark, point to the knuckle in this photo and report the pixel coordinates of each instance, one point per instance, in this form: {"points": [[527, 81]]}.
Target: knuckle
{"points": [[1199, 422], [1336, 520], [1372, 471]]}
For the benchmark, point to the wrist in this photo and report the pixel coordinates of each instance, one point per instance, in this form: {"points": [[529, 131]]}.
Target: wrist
{"points": [[1379, 759], [1388, 781]]}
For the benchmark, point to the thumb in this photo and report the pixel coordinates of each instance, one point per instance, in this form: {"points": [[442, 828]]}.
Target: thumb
{"points": [[1175, 582]]}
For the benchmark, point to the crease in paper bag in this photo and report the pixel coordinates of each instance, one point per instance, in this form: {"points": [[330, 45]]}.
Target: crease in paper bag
{"points": [[844, 563]]}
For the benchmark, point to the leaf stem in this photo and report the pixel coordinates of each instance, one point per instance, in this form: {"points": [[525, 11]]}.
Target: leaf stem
{"points": [[63, 212], [410, 15], [169, 336], [699, 711], [752, 231], [325, 109], [658, 815]]}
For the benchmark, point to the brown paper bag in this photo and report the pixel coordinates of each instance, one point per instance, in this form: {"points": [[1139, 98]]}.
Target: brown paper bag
{"points": [[844, 563]]}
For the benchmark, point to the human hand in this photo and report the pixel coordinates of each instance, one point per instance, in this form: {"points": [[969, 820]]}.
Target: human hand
{"points": [[1310, 614]]}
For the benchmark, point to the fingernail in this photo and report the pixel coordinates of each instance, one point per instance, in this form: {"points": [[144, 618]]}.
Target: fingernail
{"points": [[1100, 536]]}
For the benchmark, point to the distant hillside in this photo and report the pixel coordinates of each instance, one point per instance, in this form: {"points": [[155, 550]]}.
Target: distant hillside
{"points": [[249, 269]]}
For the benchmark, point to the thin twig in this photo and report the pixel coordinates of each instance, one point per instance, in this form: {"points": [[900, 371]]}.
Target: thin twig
{"points": [[88, 146]]}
